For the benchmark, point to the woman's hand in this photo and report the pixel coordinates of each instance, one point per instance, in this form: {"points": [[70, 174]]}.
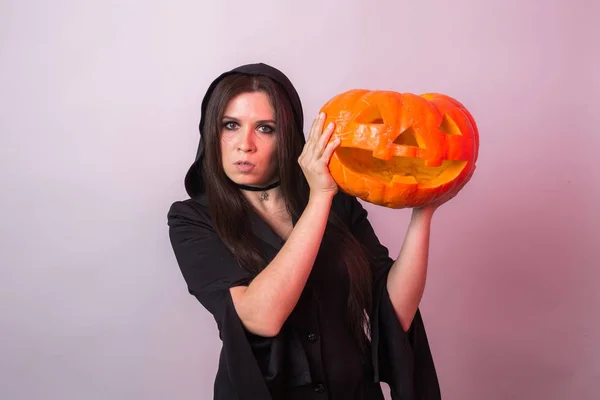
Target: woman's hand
{"points": [[315, 157]]}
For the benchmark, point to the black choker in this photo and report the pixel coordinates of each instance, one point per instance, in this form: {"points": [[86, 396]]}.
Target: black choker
{"points": [[264, 195], [258, 189]]}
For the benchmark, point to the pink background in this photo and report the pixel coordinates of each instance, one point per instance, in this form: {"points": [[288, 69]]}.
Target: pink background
{"points": [[100, 102]]}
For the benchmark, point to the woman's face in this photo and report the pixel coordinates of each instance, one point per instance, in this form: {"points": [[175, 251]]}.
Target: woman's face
{"points": [[249, 140]]}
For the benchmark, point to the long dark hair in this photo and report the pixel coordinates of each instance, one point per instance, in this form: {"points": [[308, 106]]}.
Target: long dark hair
{"points": [[229, 209]]}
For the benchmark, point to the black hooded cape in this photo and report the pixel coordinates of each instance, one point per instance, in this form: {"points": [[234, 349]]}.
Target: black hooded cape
{"points": [[302, 360]]}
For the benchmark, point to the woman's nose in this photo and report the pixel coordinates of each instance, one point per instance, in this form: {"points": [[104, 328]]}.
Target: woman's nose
{"points": [[246, 142]]}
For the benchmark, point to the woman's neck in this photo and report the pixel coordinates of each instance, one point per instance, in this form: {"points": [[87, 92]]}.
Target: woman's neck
{"points": [[269, 201]]}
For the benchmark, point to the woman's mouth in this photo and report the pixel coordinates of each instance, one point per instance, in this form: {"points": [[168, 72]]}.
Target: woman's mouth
{"points": [[244, 166]]}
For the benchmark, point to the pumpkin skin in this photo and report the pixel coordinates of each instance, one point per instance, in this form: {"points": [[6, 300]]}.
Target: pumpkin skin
{"points": [[401, 150]]}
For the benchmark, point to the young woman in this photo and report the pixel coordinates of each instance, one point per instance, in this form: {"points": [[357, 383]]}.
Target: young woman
{"points": [[308, 303]]}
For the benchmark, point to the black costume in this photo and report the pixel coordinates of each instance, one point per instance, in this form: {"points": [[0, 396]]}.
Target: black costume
{"points": [[314, 355]]}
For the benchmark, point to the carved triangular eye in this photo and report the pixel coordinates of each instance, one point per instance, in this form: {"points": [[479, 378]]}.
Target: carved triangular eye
{"points": [[371, 115], [408, 137], [449, 127]]}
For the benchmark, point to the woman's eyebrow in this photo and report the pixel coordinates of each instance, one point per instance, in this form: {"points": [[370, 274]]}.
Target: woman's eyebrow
{"points": [[262, 121]]}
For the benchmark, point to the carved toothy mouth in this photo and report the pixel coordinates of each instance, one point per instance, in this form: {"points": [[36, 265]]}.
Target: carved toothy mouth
{"points": [[404, 170]]}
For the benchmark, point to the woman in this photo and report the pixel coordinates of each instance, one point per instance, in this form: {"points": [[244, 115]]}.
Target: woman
{"points": [[307, 301]]}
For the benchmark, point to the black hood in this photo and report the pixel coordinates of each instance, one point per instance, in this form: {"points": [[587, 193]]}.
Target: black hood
{"points": [[194, 184]]}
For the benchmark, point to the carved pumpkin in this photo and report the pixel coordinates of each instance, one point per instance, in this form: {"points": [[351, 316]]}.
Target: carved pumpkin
{"points": [[400, 149]]}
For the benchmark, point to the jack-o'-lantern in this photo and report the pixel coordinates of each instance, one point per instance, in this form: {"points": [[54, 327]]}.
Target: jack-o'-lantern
{"points": [[401, 150]]}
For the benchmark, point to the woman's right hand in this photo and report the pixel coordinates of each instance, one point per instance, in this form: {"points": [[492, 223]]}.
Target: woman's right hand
{"points": [[315, 157]]}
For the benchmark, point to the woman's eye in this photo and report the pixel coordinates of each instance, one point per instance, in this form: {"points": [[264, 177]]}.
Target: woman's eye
{"points": [[230, 125], [266, 129]]}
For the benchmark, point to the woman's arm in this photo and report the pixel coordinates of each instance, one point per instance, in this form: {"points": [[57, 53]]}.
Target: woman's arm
{"points": [[406, 279], [265, 304]]}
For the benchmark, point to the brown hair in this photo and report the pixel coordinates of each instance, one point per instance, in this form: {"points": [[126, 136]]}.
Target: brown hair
{"points": [[229, 208]]}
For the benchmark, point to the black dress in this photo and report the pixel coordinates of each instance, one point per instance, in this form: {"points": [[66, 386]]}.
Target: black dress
{"points": [[313, 356]]}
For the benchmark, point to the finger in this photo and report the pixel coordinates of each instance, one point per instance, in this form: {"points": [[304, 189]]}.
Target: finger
{"points": [[325, 136], [316, 128], [313, 127], [329, 149], [304, 154]]}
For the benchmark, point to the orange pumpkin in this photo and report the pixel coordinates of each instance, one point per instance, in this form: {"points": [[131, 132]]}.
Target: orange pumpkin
{"points": [[401, 150]]}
